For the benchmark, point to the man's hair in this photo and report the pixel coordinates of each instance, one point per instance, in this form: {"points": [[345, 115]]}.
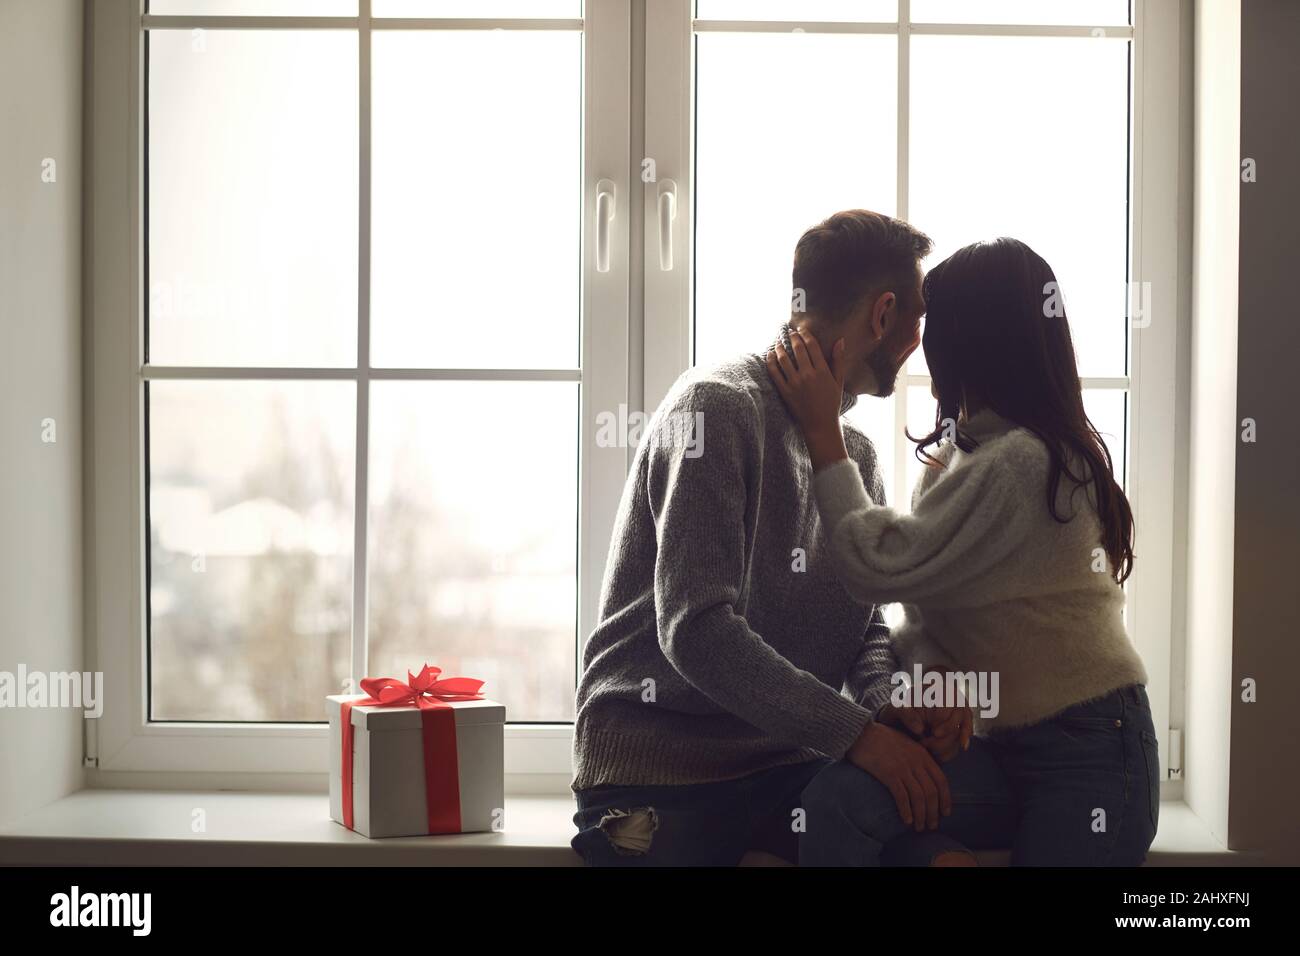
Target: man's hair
{"points": [[854, 253]]}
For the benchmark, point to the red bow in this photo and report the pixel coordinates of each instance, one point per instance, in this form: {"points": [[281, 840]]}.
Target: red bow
{"points": [[438, 725], [420, 690]]}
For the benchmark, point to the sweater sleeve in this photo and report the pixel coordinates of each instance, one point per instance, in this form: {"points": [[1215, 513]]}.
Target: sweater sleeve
{"points": [[952, 550], [870, 677], [699, 504]]}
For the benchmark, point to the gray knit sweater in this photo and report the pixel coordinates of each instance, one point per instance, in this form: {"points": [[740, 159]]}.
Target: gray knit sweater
{"points": [[726, 645]]}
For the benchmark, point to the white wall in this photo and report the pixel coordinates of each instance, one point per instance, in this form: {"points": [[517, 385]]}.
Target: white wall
{"points": [[1213, 411], [40, 378]]}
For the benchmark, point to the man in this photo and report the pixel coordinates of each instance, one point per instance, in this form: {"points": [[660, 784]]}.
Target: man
{"points": [[729, 665]]}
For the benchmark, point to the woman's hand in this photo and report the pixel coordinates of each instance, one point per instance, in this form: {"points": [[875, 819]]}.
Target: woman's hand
{"points": [[949, 731], [944, 731], [812, 389]]}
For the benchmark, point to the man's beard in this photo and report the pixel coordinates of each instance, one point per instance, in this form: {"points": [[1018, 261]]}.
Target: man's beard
{"points": [[884, 372]]}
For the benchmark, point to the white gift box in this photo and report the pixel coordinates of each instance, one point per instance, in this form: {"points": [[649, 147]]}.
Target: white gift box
{"points": [[388, 777]]}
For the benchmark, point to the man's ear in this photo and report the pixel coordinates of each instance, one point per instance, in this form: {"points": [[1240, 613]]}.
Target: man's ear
{"points": [[882, 314]]}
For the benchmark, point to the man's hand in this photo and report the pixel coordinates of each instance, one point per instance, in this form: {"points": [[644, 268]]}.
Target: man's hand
{"points": [[919, 787]]}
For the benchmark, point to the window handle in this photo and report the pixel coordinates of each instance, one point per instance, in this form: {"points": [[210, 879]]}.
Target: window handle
{"points": [[606, 192], [667, 213]]}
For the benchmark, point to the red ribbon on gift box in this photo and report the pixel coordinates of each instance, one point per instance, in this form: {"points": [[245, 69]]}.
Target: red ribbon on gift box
{"points": [[438, 728]]}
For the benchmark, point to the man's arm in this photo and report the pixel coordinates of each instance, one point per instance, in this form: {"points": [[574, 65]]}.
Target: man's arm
{"points": [[942, 730], [870, 678], [699, 506]]}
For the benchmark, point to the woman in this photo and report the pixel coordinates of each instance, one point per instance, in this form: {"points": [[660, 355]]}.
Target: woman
{"points": [[1011, 564]]}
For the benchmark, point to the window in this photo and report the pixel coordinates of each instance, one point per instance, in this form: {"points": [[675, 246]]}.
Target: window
{"points": [[267, 571], [970, 119], [364, 243], [968, 135], [374, 287]]}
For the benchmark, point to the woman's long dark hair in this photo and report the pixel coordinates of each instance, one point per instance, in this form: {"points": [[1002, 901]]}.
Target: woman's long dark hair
{"points": [[996, 335]]}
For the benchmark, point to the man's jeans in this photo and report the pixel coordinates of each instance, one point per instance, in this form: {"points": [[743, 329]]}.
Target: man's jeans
{"points": [[707, 824], [1079, 789]]}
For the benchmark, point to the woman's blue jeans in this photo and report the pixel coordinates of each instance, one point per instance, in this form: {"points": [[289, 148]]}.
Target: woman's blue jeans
{"points": [[1079, 789]]}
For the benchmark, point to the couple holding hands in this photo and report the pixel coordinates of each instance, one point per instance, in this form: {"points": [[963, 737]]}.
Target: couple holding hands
{"points": [[742, 692]]}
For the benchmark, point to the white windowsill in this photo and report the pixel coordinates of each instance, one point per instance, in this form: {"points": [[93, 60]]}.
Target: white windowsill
{"points": [[145, 827]]}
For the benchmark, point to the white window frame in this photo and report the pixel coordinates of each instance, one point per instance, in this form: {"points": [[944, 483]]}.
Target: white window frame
{"points": [[618, 363], [124, 747], [1156, 111]]}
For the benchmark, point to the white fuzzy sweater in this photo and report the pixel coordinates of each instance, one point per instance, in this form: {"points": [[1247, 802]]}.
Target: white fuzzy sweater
{"points": [[989, 580]]}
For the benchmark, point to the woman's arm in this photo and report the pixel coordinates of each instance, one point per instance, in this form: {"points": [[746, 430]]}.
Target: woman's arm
{"points": [[953, 549]]}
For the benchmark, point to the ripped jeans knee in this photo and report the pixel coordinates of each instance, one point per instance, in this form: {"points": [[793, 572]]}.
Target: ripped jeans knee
{"points": [[629, 832]]}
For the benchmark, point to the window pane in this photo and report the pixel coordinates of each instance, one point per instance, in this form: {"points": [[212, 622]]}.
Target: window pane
{"points": [[473, 537], [476, 199], [251, 524], [790, 129], [252, 197], [807, 11], [874, 417], [1056, 12], [1108, 409], [921, 407], [253, 8], [1028, 137], [526, 9]]}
